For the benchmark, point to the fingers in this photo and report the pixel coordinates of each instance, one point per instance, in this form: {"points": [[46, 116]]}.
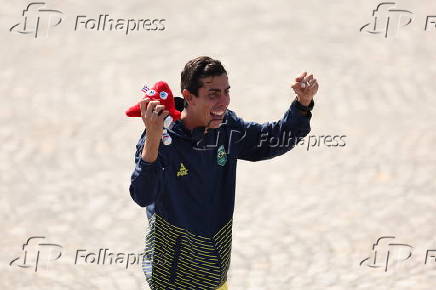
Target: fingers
{"points": [[143, 105], [312, 82], [298, 79], [306, 86], [297, 90], [157, 110], [164, 114], [314, 87], [309, 78], [305, 83], [150, 108]]}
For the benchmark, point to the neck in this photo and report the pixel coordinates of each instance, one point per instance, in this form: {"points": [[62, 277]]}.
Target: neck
{"points": [[189, 122], [187, 119]]}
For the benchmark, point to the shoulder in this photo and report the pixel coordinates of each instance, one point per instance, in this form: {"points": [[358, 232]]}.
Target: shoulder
{"points": [[231, 120]]}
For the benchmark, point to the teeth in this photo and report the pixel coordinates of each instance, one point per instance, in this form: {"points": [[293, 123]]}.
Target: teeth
{"points": [[218, 112]]}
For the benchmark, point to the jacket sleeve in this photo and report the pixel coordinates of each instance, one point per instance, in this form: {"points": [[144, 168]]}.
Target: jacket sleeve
{"points": [[271, 139], [146, 180]]}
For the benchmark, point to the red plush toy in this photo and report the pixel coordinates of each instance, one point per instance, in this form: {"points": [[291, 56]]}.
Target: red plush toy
{"points": [[161, 92]]}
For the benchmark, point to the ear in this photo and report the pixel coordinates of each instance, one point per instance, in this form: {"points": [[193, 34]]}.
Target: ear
{"points": [[189, 98]]}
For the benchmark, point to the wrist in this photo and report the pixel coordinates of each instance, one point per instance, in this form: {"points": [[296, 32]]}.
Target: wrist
{"points": [[306, 103], [147, 156], [304, 106], [150, 150]]}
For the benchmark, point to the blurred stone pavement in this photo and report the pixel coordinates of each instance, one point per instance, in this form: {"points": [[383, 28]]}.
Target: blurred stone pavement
{"points": [[305, 220]]}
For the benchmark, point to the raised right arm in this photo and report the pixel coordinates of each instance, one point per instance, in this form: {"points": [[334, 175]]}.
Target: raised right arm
{"points": [[147, 176]]}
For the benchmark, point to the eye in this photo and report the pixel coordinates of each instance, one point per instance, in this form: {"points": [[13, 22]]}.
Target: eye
{"points": [[150, 93], [163, 95]]}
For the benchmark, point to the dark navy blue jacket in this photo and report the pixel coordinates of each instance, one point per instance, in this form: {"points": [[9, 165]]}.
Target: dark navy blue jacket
{"points": [[189, 193]]}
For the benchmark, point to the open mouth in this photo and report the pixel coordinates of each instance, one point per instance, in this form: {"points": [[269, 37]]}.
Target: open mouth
{"points": [[218, 115]]}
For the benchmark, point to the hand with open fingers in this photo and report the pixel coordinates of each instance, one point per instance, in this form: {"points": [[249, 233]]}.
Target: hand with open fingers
{"points": [[153, 115], [305, 87]]}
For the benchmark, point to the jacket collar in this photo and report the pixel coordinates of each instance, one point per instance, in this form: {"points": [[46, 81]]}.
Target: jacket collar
{"points": [[196, 134]]}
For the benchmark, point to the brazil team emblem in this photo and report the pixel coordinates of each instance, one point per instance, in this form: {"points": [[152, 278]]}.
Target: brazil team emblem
{"points": [[221, 156]]}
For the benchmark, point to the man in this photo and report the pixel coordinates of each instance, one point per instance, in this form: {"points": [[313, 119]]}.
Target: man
{"points": [[188, 187]]}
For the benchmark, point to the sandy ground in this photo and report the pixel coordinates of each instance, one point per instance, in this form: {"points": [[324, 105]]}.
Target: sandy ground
{"points": [[305, 220]]}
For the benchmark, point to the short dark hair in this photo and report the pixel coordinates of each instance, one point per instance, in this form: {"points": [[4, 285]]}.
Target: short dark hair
{"points": [[197, 68]]}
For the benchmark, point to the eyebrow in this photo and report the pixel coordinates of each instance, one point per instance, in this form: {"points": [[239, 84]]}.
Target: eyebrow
{"points": [[217, 90]]}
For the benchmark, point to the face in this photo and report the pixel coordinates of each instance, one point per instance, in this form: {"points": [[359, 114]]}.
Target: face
{"points": [[209, 107]]}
